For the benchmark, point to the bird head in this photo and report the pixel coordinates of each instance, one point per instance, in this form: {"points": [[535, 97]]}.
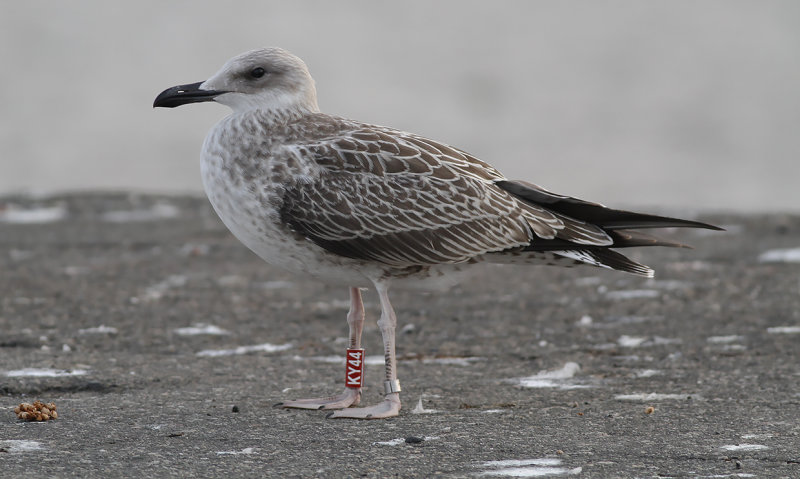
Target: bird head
{"points": [[263, 79]]}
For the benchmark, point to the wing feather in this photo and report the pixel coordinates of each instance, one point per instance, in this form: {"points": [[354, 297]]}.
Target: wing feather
{"points": [[385, 196]]}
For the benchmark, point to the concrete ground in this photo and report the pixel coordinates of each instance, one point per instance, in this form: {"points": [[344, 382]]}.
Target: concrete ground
{"points": [[127, 312]]}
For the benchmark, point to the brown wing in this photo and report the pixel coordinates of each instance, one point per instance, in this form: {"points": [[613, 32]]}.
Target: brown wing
{"points": [[402, 200], [385, 198]]}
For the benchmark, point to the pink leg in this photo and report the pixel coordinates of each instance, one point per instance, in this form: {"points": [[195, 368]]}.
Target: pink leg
{"points": [[390, 406], [350, 396]]}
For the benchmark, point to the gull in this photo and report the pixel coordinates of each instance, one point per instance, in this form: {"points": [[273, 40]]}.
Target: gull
{"points": [[361, 205]]}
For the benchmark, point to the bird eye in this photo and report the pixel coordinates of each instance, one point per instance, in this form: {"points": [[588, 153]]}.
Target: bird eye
{"points": [[257, 72]]}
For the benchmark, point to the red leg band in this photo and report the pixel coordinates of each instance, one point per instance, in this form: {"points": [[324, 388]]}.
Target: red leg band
{"points": [[354, 367]]}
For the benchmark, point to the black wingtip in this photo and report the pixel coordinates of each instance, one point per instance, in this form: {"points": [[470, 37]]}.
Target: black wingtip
{"points": [[695, 224], [595, 213]]}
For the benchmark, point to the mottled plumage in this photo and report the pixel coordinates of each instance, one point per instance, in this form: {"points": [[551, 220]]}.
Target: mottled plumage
{"points": [[360, 204]]}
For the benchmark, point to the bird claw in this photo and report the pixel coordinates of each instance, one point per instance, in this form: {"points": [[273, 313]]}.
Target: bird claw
{"points": [[350, 397], [390, 407]]}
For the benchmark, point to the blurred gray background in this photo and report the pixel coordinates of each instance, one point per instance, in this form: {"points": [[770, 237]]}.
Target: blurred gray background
{"points": [[669, 105]]}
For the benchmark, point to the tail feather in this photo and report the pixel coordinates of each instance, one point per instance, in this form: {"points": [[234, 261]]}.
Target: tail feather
{"points": [[619, 225], [606, 258], [631, 238], [620, 238]]}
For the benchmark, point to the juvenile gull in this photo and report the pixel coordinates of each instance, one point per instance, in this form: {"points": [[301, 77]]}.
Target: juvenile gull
{"points": [[363, 205]]}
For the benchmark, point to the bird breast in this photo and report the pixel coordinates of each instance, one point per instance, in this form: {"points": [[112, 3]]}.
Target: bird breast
{"points": [[244, 181]]}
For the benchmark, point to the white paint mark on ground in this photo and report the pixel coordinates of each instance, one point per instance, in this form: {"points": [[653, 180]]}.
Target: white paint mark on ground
{"points": [[408, 328], [734, 347], [420, 409], [659, 341], [393, 442], [636, 341], [247, 450], [21, 445], [744, 447], [724, 339], [398, 441], [102, 329], [784, 330], [266, 347], [201, 328], [630, 341], [527, 468], [546, 461], [647, 373], [158, 211], [790, 255], [494, 411], [15, 214], [675, 356], [633, 294], [73, 271], [45, 373], [559, 378], [756, 436], [653, 397], [156, 291]]}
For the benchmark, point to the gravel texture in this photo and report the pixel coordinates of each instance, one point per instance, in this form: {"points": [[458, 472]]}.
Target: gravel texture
{"points": [[559, 372]]}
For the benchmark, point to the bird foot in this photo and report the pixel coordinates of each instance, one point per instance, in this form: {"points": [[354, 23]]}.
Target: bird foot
{"points": [[390, 407], [349, 397]]}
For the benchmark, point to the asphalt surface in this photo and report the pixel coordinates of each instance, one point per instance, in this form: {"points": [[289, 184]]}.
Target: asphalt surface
{"points": [[693, 374]]}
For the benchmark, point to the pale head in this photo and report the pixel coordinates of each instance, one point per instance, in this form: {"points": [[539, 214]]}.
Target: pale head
{"points": [[264, 79]]}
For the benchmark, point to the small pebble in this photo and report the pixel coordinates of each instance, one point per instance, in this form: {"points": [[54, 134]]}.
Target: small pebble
{"points": [[235, 408], [414, 440]]}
